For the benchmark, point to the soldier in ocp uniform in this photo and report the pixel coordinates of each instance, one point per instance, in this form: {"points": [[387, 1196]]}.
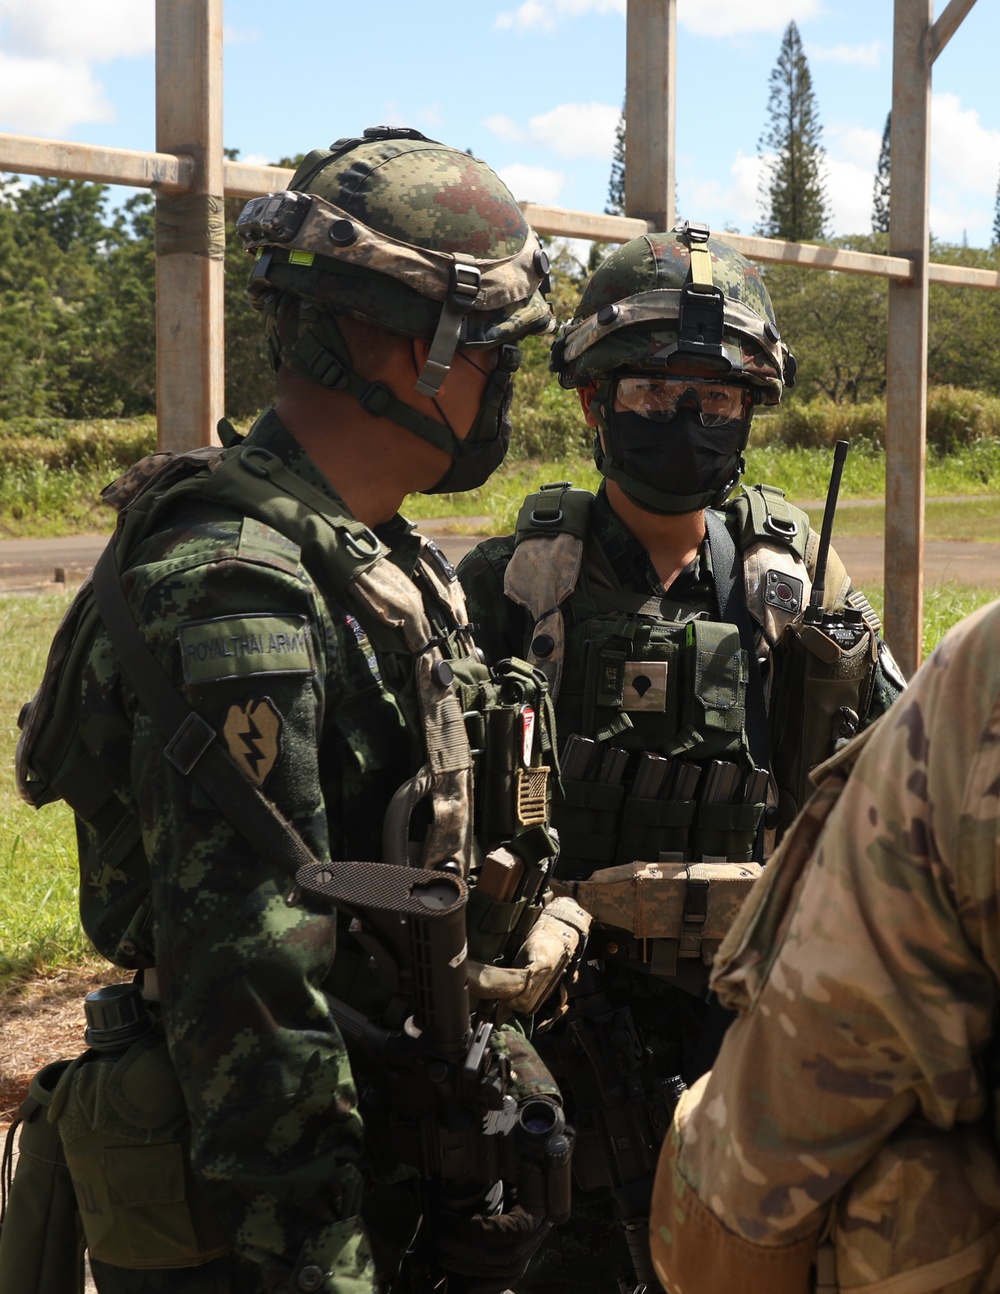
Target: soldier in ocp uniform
{"points": [[700, 665], [847, 1137], [288, 615]]}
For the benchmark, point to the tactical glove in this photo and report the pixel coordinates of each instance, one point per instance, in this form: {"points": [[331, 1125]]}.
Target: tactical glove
{"points": [[488, 1253], [553, 941]]}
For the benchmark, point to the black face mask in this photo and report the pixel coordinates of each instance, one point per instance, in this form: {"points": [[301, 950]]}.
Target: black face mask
{"points": [[484, 449], [673, 466]]}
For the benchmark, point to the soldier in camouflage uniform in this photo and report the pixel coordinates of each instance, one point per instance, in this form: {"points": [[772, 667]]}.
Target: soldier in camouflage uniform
{"points": [[650, 607], [396, 276], [850, 1122]]}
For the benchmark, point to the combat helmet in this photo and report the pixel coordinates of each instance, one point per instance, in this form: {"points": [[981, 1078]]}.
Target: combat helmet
{"points": [[663, 299], [401, 231]]}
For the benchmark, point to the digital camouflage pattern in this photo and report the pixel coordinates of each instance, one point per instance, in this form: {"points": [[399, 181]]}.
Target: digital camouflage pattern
{"points": [[275, 1137], [858, 1087], [409, 196], [644, 277], [588, 1254]]}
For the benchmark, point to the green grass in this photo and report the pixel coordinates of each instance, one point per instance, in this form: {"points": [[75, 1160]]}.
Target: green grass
{"points": [[39, 928]]}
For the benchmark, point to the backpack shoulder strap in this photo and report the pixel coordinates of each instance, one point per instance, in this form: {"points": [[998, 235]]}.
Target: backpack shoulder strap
{"points": [[545, 568], [764, 515]]}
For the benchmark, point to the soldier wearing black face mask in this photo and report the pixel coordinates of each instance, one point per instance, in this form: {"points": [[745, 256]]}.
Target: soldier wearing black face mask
{"points": [[656, 609]]}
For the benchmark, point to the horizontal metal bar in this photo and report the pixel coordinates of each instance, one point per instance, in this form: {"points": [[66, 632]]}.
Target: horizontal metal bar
{"points": [[26, 156], [778, 252], [583, 224], [245, 181], [23, 155]]}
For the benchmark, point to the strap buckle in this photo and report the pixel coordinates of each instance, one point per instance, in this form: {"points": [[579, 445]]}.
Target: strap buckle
{"points": [[464, 287], [189, 743]]}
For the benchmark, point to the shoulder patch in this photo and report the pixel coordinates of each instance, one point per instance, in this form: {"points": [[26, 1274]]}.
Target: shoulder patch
{"points": [[236, 646], [253, 737]]}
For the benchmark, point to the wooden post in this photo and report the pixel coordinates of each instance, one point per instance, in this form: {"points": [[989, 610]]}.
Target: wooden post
{"points": [[650, 111], [906, 358], [190, 231]]}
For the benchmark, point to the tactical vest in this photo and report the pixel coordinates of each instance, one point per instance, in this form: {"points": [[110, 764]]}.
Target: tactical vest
{"points": [[481, 741], [646, 674]]}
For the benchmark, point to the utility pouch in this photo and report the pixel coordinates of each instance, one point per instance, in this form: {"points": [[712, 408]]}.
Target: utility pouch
{"points": [[125, 1134], [823, 678], [725, 831], [489, 923], [648, 824], [587, 821], [683, 909], [41, 1240], [713, 707]]}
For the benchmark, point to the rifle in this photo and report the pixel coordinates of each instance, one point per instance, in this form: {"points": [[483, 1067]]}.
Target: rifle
{"points": [[620, 1106], [433, 1092]]}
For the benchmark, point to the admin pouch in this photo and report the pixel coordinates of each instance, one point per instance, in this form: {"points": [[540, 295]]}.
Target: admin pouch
{"points": [[41, 1239], [657, 913], [126, 1139]]}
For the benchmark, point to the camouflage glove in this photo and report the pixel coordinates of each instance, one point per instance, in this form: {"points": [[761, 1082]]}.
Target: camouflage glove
{"points": [[552, 943]]}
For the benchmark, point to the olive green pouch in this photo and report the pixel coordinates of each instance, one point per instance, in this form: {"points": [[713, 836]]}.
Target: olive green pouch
{"points": [[726, 831], [586, 818], [125, 1134], [41, 1240], [650, 827]]}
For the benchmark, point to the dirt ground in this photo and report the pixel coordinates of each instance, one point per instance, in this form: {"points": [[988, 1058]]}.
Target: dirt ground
{"points": [[43, 1021]]}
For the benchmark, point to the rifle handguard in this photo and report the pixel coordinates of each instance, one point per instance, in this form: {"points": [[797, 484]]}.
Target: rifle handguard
{"points": [[552, 943]]}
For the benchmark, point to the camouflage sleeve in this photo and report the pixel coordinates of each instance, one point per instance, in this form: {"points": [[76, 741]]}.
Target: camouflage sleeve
{"points": [[867, 986], [501, 626], [275, 1133]]}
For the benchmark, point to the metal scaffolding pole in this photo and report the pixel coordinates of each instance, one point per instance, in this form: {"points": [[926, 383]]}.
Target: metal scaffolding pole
{"points": [[906, 356], [650, 110], [190, 227]]}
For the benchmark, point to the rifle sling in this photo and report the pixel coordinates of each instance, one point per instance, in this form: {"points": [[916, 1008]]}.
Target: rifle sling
{"points": [[727, 572]]}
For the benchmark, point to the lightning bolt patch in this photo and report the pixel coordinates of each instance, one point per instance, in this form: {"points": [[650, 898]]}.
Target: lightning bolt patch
{"points": [[253, 737]]}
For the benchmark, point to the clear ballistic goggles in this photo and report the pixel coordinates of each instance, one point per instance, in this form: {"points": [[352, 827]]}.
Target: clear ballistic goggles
{"points": [[659, 398]]}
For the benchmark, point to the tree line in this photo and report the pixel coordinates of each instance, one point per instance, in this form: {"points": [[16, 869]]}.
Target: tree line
{"points": [[77, 287]]}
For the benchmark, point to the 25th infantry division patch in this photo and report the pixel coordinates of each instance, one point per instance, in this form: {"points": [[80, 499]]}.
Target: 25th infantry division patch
{"points": [[253, 737]]}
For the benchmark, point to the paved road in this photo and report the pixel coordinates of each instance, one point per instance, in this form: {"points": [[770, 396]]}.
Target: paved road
{"points": [[33, 564]]}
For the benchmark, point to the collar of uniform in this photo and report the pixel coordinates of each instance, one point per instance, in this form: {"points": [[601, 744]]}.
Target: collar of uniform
{"points": [[631, 563]]}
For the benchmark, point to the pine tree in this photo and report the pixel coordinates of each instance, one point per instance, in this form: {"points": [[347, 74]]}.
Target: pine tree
{"points": [[793, 190], [616, 184], [883, 177], [996, 219]]}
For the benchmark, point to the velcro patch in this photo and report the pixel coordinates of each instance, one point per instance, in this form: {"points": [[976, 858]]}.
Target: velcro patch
{"points": [[235, 646], [645, 685]]}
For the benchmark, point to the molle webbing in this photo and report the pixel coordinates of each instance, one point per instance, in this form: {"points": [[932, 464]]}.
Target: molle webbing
{"points": [[541, 576]]}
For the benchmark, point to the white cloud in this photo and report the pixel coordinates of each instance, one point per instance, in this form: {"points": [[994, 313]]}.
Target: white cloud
{"points": [[725, 203], [963, 151], [734, 17], [532, 183], [49, 48], [77, 33], [855, 144], [542, 15], [504, 128], [849, 188], [868, 56], [577, 129], [40, 96]]}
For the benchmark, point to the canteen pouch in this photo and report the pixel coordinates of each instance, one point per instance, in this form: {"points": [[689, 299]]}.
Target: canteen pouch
{"points": [[125, 1135], [41, 1239]]}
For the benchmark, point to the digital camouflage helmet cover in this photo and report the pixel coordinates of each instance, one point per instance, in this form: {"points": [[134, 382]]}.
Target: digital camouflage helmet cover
{"points": [[414, 236]]}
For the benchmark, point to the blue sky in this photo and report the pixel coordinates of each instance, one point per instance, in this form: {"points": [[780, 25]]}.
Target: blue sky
{"points": [[532, 86]]}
